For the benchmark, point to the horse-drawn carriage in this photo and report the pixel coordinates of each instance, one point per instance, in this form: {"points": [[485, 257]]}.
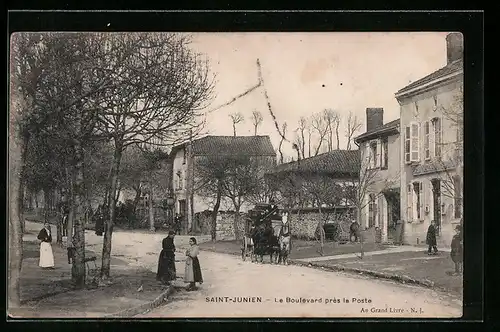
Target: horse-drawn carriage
{"points": [[266, 234]]}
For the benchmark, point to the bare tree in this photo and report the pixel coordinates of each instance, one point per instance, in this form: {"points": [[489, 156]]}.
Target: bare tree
{"points": [[236, 118], [370, 181], [324, 191], [332, 120], [236, 177], [353, 126], [319, 124], [256, 121], [160, 88], [448, 164]]}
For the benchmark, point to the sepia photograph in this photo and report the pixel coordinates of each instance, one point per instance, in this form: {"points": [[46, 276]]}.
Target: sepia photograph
{"points": [[235, 175]]}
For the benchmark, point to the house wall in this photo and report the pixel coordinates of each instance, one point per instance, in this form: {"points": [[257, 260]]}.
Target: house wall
{"points": [[445, 97], [383, 179]]}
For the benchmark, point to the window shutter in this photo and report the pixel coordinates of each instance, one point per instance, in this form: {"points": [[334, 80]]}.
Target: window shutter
{"points": [[367, 211], [407, 145], [415, 142], [422, 205], [409, 202], [378, 161], [367, 155], [425, 198]]}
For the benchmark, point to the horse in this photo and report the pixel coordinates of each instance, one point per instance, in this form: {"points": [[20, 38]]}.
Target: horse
{"points": [[266, 243]]}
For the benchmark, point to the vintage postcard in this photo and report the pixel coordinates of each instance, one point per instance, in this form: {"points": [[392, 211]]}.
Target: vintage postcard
{"points": [[236, 175]]}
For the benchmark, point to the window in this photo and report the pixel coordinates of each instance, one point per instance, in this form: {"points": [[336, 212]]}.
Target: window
{"points": [[417, 200], [409, 203], [184, 156], [373, 154], [179, 180], [427, 150], [457, 197], [385, 153], [372, 211], [415, 142], [437, 137], [407, 146]]}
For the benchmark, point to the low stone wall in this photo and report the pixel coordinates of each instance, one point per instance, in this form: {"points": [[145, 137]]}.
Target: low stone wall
{"points": [[304, 223], [225, 224]]}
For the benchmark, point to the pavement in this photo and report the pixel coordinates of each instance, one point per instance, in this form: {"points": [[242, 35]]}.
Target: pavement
{"points": [[388, 250], [263, 290], [234, 288], [50, 293]]}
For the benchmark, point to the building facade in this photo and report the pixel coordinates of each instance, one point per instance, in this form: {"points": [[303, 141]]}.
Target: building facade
{"points": [[379, 185], [431, 149], [187, 177]]}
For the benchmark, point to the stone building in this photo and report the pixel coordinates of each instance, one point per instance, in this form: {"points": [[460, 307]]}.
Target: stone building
{"points": [[431, 149], [379, 175]]}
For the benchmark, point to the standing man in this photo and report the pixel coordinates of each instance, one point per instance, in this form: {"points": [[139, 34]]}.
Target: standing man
{"points": [[457, 250], [431, 238]]}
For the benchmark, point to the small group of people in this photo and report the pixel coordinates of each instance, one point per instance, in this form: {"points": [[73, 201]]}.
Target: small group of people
{"points": [[166, 263], [456, 245]]}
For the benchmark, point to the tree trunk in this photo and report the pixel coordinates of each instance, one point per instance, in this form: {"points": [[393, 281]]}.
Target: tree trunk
{"points": [[151, 211], [71, 215], [15, 253], [78, 242], [337, 134], [137, 197], [237, 218], [108, 229], [215, 212], [321, 230]]}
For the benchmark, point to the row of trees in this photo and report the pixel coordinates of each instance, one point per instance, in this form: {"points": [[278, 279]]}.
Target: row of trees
{"points": [[321, 132], [76, 98]]}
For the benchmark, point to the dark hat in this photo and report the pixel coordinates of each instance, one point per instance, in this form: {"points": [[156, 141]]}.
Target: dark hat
{"points": [[171, 233]]}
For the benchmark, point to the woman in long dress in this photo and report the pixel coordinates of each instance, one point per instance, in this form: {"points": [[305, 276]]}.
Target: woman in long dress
{"points": [[192, 272], [46, 254], [166, 262]]}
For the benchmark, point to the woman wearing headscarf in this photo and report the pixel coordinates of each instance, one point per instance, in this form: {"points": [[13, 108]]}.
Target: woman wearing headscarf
{"points": [[192, 272], [166, 262], [46, 254]]}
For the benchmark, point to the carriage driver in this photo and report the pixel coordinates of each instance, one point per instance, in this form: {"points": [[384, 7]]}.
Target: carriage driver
{"points": [[284, 236]]}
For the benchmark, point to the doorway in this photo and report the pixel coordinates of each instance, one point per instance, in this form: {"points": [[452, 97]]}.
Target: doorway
{"points": [[393, 213], [436, 203]]}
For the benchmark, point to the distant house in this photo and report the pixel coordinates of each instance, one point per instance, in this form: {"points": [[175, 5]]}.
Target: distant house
{"points": [[380, 152], [317, 190], [431, 158], [324, 171], [185, 157]]}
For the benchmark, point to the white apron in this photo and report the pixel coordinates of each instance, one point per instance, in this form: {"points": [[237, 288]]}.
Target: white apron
{"points": [[46, 255]]}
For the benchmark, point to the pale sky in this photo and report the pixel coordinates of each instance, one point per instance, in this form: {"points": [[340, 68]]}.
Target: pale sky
{"points": [[358, 70]]}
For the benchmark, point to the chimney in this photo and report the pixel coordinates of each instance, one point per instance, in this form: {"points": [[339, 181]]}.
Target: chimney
{"points": [[374, 118], [454, 46]]}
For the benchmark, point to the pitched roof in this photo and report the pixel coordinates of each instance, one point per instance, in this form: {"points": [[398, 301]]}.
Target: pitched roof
{"points": [[232, 145], [337, 162], [384, 129], [442, 72]]}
